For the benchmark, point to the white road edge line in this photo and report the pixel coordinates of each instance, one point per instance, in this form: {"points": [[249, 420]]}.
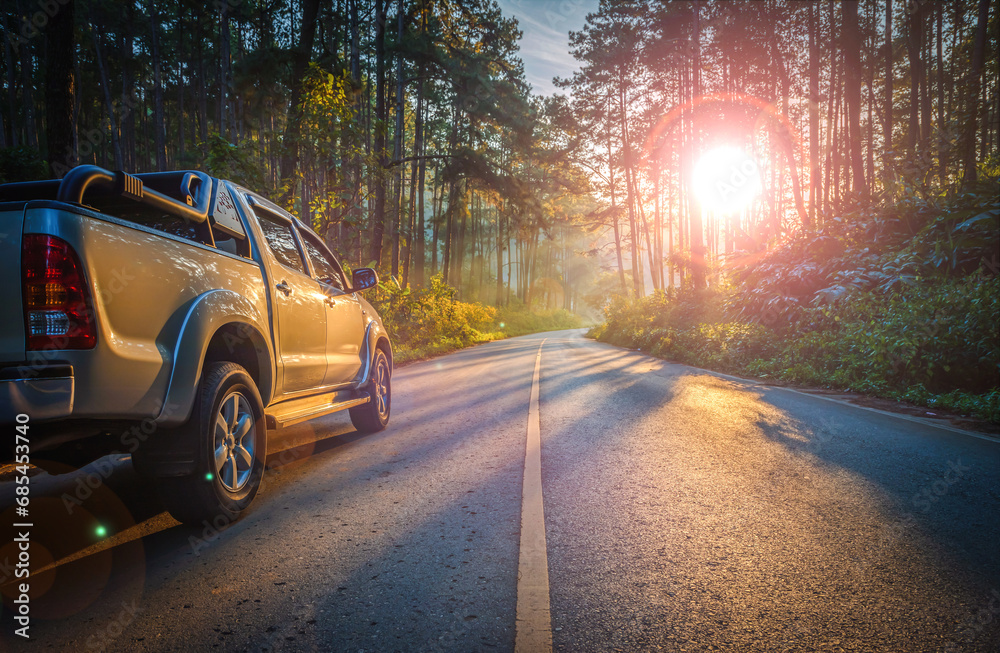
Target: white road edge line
{"points": [[534, 618], [764, 384], [908, 418]]}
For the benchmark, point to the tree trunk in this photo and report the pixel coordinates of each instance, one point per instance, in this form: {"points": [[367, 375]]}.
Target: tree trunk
{"points": [[28, 92], [106, 92], [12, 104], [418, 149], [871, 49], [914, 50], [378, 218], [971, 121], [814, 170], [293, 128], [202, 91], [60, 91], [181, 120], [697, 238], [225, 125], [629, 190], [500, 248], [887, 145], [614, 210], [851, 46], [159, 136], [356, 170], [943, 145], [397, 151]]}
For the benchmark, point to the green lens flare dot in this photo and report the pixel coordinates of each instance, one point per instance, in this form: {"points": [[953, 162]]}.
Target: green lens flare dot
{"points": [[209, 476], [101, 531]]}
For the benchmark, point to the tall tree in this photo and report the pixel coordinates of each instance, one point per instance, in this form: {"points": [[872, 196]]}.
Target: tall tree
{"points": [[159, 128], [381, 156], [969, 172], [293, 129], [814, 100], [851, 46], [60, 89], [887, 118]]}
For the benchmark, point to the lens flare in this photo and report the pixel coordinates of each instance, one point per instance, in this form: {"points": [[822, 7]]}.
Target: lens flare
{"points": [[726, 180]]}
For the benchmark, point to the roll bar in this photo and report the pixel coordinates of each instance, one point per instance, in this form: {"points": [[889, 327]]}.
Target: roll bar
{"points": [[81, 179]]}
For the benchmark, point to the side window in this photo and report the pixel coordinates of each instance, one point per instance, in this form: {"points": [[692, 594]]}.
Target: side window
{"points": [[281, 241], [326, 270], [227, 229], [227, 243]]}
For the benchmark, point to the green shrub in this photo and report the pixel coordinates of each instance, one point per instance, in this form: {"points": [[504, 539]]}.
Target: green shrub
{"points": [[900, 301], [518, 321], [21, 164], [934, 342], [430, 321]]}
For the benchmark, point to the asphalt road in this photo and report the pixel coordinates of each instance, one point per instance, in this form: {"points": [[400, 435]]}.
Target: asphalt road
{"points": [[683, 510]]}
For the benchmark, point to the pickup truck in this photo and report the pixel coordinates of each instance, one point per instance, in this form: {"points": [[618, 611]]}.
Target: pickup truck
{"points": [[180, 318]]}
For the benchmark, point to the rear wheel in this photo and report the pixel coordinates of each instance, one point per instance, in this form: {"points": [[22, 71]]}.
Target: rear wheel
{"points": [[230, 438], [374, 416]]}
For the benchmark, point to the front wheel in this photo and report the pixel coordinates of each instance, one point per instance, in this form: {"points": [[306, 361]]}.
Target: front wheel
{"points": [[374, 416], [230, 436]]}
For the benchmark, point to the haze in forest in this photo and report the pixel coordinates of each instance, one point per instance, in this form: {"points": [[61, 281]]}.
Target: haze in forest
{"points": [[843, 149]]}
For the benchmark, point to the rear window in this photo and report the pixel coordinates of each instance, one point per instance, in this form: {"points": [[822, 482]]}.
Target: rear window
{"points": [[171, 224]]}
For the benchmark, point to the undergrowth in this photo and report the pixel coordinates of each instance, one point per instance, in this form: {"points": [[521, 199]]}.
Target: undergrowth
{"points": [[900, 303], [425, 322]]}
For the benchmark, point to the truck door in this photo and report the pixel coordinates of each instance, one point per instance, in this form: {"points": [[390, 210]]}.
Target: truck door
{"points": [[345, 327], [299, 307]]}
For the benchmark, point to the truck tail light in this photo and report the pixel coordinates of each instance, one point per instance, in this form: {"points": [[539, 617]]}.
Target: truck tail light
{"points": [[58, 313]]}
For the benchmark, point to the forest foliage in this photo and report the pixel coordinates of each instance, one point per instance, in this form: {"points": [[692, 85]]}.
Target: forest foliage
{"points": [[402, 131], [405, 133], [869, 262]]}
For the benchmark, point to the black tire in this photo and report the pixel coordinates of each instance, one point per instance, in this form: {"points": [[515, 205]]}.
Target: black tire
{"points": [[228, 467], [374, 416]]}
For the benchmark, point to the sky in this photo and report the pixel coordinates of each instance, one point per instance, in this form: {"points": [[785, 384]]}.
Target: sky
{"points": [[545, 43]]}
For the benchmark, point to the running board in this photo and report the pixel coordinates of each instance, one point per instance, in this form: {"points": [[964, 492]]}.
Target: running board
{"points": [[296, 411]]}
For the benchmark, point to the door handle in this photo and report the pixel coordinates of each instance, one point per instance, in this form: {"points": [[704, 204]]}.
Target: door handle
{"points": [[284, 287]]}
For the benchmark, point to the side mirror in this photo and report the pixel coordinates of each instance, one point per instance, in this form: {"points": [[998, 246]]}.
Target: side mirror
{"points": [[363, 279]]}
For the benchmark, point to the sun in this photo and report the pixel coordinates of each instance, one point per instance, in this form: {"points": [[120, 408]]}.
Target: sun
{"points": [[726, 180]]}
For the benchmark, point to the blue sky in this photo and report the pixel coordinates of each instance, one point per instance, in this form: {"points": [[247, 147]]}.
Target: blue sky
{"points": [[545, 44]]}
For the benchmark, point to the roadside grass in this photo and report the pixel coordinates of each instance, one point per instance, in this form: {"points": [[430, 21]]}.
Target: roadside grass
{"points": [[518, 321], [428, 322], [912, 347]]}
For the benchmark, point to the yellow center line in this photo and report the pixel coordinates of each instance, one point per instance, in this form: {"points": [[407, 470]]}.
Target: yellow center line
{"points": [[534, 620]]}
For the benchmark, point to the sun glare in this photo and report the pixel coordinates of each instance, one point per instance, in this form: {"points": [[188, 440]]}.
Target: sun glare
{"points": [[726, 180]]}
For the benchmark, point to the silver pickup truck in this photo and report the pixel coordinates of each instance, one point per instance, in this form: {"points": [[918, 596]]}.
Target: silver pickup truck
{"points": [[182, 319]]}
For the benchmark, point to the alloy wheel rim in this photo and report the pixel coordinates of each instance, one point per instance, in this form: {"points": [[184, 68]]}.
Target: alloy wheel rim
{"points": [[382, 388], [234, 442]]}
